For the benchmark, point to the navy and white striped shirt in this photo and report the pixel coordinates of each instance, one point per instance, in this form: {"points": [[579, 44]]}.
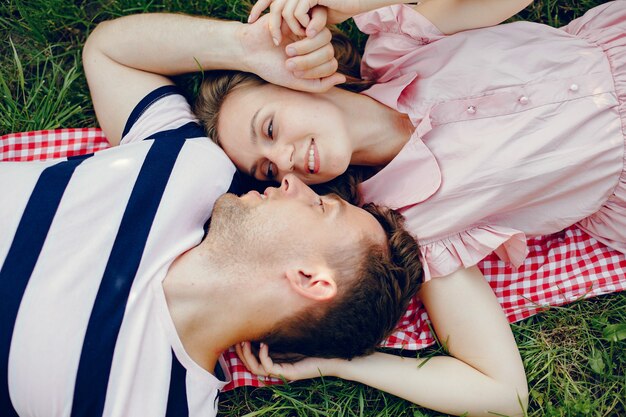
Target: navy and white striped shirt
{"points": [[84, 246]]}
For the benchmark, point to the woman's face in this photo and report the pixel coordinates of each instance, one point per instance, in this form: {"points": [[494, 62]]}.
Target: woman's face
{"points": [[269, 131]]}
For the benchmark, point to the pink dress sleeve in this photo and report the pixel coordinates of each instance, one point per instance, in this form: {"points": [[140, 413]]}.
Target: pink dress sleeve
{"points": [[462, 250], [394, 32]]}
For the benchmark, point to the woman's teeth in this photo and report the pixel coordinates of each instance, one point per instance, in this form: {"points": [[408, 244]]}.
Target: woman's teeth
{"points": [[311, 160]]}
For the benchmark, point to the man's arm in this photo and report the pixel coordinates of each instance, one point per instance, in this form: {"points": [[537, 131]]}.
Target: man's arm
{"points": [[127, 58], [483, 376]]}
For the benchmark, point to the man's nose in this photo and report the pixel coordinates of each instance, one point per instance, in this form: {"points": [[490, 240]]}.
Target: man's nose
{"points": [[292, 186]]}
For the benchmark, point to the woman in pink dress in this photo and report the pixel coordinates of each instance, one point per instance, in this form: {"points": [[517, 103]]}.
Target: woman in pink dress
{"points": [[480, 135]]}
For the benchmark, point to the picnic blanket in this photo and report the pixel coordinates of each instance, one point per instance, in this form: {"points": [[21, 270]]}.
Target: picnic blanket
{"points": [[560, 268]]}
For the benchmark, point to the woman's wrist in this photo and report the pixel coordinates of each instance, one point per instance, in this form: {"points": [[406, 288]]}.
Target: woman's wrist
{"points": [[342, 368], [369, 5]]}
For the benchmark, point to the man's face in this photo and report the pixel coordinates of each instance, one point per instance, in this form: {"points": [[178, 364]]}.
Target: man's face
{"points": [[291, 222]]}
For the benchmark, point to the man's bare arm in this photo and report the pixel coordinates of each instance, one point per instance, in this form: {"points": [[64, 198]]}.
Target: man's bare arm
{"points": [[127, 58]]}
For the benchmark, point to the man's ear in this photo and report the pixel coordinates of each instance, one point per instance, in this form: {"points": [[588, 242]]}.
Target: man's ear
{"points": [[316, 284]]}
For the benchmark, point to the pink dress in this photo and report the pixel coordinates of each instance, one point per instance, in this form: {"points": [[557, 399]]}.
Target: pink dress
{"points": [[519, 131]]}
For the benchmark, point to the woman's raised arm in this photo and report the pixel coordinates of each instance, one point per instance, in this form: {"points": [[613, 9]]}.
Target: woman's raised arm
{"points": [[451, 16], [483, 377]]}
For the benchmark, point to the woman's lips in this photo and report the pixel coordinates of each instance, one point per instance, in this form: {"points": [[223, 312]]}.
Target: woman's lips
{"points": [[312, 162]]}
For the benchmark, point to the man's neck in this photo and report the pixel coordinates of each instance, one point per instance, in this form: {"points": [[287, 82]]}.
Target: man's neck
{"points": [[210, 308]]}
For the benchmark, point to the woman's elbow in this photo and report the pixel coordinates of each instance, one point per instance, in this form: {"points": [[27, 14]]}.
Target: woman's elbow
{"points": [[515, 401]]}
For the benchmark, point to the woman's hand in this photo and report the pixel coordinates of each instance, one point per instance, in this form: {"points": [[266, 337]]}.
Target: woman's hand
{"points": [[265, 366], [305, 64], [297, 14]]}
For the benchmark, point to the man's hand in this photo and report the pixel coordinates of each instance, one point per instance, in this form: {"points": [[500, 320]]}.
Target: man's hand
{"points": [[305, 64], [265, 366]]}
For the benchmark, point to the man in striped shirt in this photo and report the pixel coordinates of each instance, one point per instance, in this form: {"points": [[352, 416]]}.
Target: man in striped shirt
{"points": [[116, 301]]}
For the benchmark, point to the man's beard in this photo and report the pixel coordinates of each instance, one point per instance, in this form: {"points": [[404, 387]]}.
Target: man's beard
{"points": [[252, 234], [236, 229], [229, 211]]}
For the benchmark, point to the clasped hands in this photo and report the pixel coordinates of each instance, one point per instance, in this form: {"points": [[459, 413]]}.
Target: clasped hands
{"points": [[291, 45]]}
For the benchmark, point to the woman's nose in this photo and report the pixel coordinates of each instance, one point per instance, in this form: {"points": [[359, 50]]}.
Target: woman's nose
{"points": [[282, 157]]}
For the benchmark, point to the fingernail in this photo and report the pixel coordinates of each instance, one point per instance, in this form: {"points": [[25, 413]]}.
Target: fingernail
{"points": [[291, 65], [276, 41], [249, 18], [291, 51]]}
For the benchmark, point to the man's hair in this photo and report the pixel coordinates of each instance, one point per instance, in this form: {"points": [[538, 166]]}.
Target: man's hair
{"points": [[374, 293]]}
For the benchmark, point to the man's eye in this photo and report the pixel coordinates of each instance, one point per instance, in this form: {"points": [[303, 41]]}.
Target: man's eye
{"points": [[270, 129], [321, 204], [270, 174]]}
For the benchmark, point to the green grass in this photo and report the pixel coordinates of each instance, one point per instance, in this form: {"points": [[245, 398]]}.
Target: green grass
{"points": [[575, 356]]}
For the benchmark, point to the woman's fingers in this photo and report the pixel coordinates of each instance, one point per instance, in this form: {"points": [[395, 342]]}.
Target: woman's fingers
{"points": [[308, 45], [315, 59], [257, 9], [301, 11], [317, 23], [328, 82], [275, 22], [319, 85], [303, 17], [321, 71], [289, 17]]}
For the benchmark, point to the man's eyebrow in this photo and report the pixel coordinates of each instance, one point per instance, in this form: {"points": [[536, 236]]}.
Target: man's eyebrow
{"points": [[253, 139]]}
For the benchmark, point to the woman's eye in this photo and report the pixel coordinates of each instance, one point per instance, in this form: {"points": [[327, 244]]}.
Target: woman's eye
{"points": [[270, 129], [270, 174]]}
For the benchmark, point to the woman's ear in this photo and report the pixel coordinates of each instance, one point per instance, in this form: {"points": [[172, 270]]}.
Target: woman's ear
{"points": [[315, 284]]}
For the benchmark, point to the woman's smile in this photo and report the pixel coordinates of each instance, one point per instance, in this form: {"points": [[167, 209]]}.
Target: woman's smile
{"points": [[312, 163]]}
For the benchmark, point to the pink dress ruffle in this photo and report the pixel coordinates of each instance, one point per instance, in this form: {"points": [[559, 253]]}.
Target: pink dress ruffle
{"points": [[462, 250], [605, 26]]}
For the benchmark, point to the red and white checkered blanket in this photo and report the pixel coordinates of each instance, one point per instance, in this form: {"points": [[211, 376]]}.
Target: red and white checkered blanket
{"points": [[559, 269]]}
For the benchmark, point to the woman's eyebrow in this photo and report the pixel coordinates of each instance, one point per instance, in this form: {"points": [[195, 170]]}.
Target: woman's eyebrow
{"points": [[253, 139], [253, 136]]}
